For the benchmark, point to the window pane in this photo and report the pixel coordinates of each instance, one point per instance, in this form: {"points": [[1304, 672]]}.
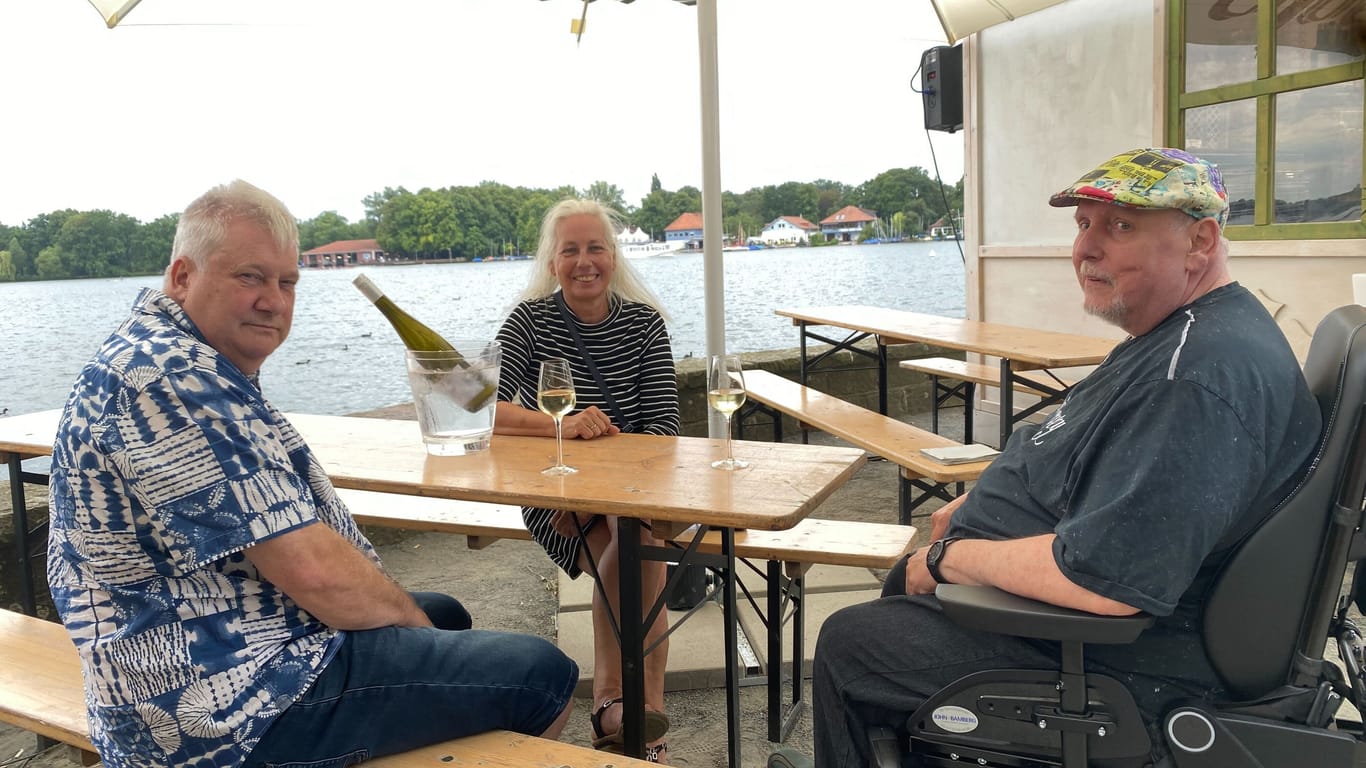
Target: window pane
{"points": [[1318, 154], [1226, 135], [1313, 35], [1221, 43]]}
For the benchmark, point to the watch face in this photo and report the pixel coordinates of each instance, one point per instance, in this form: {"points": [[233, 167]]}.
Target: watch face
{"points": [[934, 555], [936, 549]]}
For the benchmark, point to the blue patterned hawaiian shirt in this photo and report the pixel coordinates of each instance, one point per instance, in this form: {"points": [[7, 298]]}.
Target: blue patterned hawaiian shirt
{"points": [[168, 464]]}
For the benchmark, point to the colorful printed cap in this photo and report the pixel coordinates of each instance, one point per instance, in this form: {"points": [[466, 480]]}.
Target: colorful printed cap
{"points": [[1153, 178]]}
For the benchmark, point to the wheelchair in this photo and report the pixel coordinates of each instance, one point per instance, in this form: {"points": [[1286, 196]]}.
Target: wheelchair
{"points": [[1277, 600]]}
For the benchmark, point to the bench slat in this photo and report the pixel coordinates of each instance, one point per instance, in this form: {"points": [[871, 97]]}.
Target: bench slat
{"points": [[825, 542], [894, 440], [505, 749], [980, 373], [482, 522], [40, 680]]}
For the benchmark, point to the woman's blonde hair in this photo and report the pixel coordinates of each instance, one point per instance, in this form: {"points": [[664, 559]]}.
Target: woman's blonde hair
{"points": [[625, 285]]}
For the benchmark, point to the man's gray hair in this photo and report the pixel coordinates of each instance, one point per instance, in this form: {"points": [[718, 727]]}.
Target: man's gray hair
{"points": [[204, 224]]}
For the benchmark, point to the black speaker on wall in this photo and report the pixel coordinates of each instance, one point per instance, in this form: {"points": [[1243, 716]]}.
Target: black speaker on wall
{"points": [[941, 87]]}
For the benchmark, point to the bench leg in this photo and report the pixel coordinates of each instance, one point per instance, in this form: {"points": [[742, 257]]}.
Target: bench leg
{"points": [[908, 501], [969, 390], [781, 589], [796, 589], [775, 651], [19, 509], [881, 377], [942, 394], [730, 620], [934, 409], [748, 409], [1007, 403]]}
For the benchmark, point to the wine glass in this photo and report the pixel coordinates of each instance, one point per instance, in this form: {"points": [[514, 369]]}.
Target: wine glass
{"points": [[725, 394], [555, 398]]}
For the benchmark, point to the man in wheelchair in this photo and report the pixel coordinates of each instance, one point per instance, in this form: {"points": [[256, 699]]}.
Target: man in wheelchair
{"points": [[1127, 501]]}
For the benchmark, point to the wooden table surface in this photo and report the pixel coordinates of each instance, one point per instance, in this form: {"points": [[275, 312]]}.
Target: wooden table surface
{"points": [[30, 434], [1026, 348], [647, 476]]}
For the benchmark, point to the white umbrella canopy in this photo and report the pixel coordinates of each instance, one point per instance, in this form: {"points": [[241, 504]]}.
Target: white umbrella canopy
{"points": [[961, 18], [113, 11]]}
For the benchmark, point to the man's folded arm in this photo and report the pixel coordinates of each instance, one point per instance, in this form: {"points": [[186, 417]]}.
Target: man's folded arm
{"points": [[1024, 567], [334, 581]]}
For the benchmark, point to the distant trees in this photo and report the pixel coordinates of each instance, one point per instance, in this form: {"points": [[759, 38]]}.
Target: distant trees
{"points": [[463, 222], [912, 192], [607, 194], [329, 227]]}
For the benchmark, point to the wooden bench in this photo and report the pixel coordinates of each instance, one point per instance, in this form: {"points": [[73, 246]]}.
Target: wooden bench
{"points": [[1048, 387], [40, 683], [481, 523], [896, 441], [788, 555], [40, 691], [505, 749]]}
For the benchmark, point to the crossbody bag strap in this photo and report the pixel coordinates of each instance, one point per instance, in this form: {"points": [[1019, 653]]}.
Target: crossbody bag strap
{"points": [[588, 361]]}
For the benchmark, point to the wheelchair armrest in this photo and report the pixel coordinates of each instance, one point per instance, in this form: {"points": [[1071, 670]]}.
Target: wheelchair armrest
{"points": [[994, 610]]}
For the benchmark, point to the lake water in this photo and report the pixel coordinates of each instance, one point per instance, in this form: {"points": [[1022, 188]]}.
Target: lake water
{"points": [[343, 357]]}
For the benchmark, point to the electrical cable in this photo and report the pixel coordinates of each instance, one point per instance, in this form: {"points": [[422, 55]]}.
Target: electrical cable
{"points": [[953, 225]]}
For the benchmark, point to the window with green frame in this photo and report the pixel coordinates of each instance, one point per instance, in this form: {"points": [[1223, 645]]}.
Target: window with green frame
{"points": [[1271, 91]]}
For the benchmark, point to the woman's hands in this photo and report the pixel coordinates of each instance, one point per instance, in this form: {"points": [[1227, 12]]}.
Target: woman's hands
{"points": [[587, 424], [563, 522]]}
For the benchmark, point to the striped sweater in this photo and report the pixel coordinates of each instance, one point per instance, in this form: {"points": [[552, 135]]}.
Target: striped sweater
{"points": [[631, 350]]}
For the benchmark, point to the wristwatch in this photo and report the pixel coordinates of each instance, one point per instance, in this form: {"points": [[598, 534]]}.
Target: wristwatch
{"points": [[936, 556]]}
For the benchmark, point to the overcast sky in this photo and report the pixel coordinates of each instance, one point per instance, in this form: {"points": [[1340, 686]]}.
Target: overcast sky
{"points": [[323, 102]]}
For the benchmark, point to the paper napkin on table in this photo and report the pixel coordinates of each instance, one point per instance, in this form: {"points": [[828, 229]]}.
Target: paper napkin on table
{"points": [[960, 454]]}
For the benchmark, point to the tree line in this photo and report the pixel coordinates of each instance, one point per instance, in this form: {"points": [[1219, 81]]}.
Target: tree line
{"points": [[489, 219]]}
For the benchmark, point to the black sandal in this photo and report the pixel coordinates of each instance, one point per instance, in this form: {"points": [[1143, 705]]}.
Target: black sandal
{"points": [[656, 725]]}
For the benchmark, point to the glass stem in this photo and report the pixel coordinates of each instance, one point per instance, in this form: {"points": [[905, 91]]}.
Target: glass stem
{"points": [[730, 453], [559, 445]]}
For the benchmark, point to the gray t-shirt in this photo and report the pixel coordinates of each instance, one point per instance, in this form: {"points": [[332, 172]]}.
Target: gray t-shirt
{"points": [[1157, 463]]}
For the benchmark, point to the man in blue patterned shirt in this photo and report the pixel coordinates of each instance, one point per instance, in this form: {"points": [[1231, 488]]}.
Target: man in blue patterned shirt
{"points": [[227, 609]]}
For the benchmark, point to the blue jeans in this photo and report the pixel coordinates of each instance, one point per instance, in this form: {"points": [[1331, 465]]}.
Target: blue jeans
{"points": [[394, 689]]}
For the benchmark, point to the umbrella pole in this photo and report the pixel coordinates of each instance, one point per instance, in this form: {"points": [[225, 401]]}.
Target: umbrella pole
{"points": [[713, 271]]}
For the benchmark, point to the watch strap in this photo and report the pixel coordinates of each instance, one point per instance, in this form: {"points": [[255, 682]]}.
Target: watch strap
{"points": [[936, 556]]}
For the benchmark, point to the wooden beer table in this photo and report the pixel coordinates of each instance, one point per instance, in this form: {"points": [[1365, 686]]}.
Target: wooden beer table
{"points": [[665, 481], [1019, 349]]}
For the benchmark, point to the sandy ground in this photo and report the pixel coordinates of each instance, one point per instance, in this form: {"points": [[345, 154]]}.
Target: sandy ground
{"points": [[512, 586]]}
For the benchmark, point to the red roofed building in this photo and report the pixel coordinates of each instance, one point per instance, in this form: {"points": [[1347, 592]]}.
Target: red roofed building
{"points": [[687, 228], [342, 253], [846, 223]]}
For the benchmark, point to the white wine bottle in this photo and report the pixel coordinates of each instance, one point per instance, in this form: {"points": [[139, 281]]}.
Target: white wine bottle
{"points": [[475, 391]]}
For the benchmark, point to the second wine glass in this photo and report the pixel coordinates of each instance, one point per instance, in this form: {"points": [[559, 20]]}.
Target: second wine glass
{"points": [[555, 397], [725, 394]]}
